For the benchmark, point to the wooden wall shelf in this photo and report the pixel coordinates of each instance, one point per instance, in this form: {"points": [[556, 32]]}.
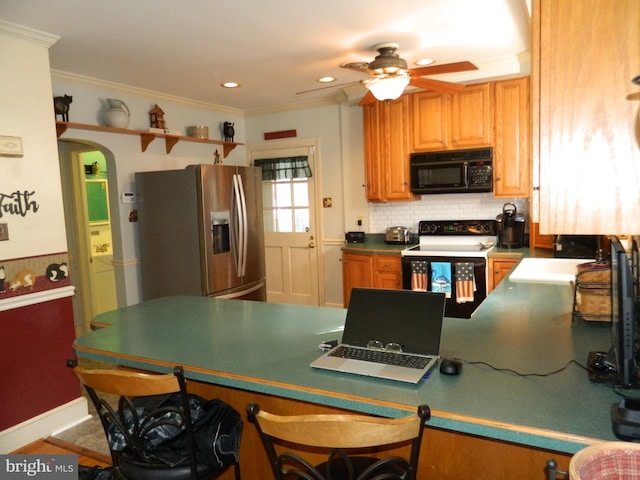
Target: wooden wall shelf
{"points": [[146, 137]]}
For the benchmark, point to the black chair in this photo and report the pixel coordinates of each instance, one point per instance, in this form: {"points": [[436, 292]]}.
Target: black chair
{"points": [[355, 445], [148, 422]]}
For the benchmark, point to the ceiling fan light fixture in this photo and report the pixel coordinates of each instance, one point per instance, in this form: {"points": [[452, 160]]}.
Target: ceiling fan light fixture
{"points": [[388, 61], [387, 88]]}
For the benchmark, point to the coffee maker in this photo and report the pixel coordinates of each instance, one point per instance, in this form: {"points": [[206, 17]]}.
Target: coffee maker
{"points": [[510, 225]]}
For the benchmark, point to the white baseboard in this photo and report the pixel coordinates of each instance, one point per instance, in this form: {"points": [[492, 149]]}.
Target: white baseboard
{"points": [[44, 425]]}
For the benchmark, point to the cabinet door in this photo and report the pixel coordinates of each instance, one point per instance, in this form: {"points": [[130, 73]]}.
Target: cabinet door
{"points": [[471, 117], [589, 160], [396, 157], [498, 269], [388, 272], [386, 140], [357, 271], [430, 122], [373, 142], [511, 165], [537, 240]]}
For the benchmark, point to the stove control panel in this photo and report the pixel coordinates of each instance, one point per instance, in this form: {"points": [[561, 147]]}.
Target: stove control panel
{"points": [[457, 227]]}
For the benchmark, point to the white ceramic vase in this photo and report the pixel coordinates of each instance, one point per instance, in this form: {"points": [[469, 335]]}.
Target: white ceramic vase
{"points": [[117, 114]]}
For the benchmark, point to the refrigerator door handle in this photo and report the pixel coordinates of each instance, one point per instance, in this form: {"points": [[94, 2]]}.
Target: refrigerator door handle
{"points": [[241, 209]]}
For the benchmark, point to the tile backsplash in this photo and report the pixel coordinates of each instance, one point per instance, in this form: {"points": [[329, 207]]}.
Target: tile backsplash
{"points": [[450, 206]]}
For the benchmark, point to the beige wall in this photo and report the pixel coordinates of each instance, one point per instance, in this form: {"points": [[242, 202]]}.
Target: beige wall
{"points": [[27, 112]]}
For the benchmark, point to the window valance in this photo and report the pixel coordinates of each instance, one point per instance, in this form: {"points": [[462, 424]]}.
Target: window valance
{"points": [[286, 167]]}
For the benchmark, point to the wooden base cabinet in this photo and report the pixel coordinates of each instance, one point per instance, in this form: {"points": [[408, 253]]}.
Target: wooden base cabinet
{"points": [[499, 268], [445, 455], [370, 271], [388, 272]]}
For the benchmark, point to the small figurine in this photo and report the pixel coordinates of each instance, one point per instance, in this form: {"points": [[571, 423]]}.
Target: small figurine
{"points": [[57, 272], [24, 278], [61, 107], [216, 158], [156, 117], [228, 131]]}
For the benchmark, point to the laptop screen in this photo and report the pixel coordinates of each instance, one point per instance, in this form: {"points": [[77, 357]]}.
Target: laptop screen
{"points": [[411, 319]]}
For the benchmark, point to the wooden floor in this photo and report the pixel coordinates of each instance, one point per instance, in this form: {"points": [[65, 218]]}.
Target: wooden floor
{"points": [[56, 446]]}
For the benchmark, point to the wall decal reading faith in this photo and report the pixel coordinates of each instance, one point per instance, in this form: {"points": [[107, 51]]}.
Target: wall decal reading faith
{"points": [[18, 203]]}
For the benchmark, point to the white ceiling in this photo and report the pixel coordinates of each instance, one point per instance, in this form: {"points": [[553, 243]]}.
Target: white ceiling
{"points": [[273, 48]]}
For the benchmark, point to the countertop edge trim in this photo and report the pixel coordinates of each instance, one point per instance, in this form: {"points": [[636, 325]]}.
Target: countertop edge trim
{"points": [[517, 434]]}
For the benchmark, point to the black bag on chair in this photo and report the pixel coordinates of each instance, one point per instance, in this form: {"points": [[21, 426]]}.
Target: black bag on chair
{"points": [[217, 429]]}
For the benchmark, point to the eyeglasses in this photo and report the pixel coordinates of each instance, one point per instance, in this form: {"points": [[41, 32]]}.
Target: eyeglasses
{"points": [[389, 347]]}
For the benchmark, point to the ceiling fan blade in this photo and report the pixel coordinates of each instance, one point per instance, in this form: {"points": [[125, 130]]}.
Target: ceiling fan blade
{"points": [[368, 98], [446, 68], [329, 86], [435, 85]]}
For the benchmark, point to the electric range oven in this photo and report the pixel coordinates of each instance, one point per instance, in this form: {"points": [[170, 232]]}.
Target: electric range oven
{"points": [[451, 256]]}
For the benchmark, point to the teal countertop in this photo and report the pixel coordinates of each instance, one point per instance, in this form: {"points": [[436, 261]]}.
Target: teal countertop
{"points": [[267, 348], [374, 243]]}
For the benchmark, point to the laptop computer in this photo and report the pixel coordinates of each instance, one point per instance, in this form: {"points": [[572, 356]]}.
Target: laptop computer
{"points": [[412, 320]]}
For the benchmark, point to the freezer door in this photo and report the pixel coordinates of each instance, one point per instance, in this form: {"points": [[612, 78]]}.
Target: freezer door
{"points": [[231, 212]]}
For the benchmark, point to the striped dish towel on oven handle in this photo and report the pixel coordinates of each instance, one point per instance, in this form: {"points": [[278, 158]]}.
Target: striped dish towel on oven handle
{"points": [[465, 282], [419, 278]]}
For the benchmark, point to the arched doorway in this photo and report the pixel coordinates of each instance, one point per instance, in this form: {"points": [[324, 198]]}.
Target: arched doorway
{"points": [[86, 169]]}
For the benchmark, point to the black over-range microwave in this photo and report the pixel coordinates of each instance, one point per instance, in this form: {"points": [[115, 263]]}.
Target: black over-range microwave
{"points": [[456, 171]]}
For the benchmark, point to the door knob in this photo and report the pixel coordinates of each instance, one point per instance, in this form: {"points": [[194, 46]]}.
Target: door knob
{"points": [[312, 244]]}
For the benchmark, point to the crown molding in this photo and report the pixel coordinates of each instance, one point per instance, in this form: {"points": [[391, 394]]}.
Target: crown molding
{"points": [[41, 39], [142, 92]]}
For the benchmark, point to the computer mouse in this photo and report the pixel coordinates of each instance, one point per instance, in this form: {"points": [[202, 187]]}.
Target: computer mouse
{"points": [[450, 366]]}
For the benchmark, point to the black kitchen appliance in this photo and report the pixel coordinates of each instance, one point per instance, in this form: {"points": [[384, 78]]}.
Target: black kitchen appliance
{"points": [[577, 246], [451, 243], [454, 171], [510, 225]]}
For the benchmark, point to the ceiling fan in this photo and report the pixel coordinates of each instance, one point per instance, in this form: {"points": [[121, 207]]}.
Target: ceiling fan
{"points": [[390, 75]]}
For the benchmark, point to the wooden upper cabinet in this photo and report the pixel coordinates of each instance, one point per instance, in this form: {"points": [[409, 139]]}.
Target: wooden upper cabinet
{"points": [[386, 132], [586, 137], [447, 122], [431, 116], [511, 166]]}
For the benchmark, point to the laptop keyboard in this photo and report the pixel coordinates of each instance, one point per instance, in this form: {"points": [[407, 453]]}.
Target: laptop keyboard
{"points": [[381, 356]]}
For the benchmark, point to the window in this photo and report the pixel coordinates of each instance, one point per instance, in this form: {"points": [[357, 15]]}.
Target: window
{"points": [[286, 205], [285, 194]]}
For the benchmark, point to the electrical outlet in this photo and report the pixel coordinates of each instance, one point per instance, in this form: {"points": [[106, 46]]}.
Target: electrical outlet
{"points": [[4, 232], [359, 220]]}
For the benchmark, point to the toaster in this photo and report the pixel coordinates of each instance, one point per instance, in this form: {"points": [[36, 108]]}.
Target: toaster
{"points": [[397, 235]]}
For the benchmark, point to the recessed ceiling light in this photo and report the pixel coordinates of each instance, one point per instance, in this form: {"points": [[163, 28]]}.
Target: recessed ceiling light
{"points": [[425, 61], [326, 79], [230, 85]]}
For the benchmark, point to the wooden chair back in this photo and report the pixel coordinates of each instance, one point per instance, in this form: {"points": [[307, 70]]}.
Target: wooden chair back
{"points": [[121, 416], [345, 437]]}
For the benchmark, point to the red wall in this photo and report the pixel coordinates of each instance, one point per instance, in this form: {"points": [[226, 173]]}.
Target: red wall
{"points": [[35, 342]]}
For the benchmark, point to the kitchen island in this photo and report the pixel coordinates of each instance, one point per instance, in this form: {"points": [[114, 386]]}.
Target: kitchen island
{"points": [[486, 423]]}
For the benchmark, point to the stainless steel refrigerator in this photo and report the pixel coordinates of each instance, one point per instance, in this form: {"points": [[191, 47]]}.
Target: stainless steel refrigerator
{"points": [[200, 232]]}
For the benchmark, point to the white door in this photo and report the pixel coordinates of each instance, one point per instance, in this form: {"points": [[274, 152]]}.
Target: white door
{"points": [[291, 246]]}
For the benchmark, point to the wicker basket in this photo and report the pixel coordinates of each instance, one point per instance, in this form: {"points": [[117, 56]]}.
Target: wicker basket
{"points": [[592, 299]]}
